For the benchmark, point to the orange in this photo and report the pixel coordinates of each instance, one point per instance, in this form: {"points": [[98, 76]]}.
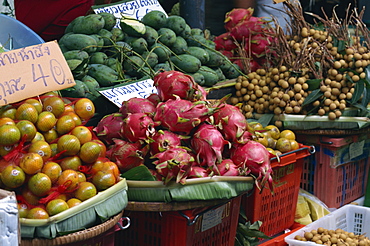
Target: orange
{"points": [[36, 103], [48, 94], [287, 134], [22, 210], [54, 105], [31, 198], [53, 170], [83, 134], [103, 180], [38, 137], [75, 117], [107, 166], [81, 177], [65, 124], [56, 206], [37, 213], [31, 163], [84, 108], [54, 149], [9, 113], [85, 191], [68, 109], [64, 197], [68, 178], [90, 152], [45, 121], [70, 162], [9, 135], [255, 125], [13, 176], [39, 184], [50, 135], [70, 144], [6, 121], [73, 202], [26, 111], [274, 131], [5, 149], [283, 145], [294, 144], [102, 146], [42, 148], [27, 129]]}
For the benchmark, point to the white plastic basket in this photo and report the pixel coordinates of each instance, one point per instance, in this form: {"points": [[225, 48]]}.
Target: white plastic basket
{"points": [[351, 218]]}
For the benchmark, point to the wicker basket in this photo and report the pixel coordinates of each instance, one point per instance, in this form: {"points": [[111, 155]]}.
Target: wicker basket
{"points": [[74, 237]]}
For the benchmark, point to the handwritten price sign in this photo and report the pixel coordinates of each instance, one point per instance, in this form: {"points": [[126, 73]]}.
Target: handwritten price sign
{"points": [[31, 71]]}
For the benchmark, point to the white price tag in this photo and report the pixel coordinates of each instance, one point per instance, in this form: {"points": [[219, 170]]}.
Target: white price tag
{"points": [[140, 89], [356, 149], [212, 218]]}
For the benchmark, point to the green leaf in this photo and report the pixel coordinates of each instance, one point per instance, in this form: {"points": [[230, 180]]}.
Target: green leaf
{"points": [[265, 119], [341, 45], [313, 84], [141, 173], [256, 225], [366, 97], [359, 90], [313, 96]]}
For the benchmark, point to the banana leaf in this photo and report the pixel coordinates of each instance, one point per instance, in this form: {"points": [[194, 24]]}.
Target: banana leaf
{"points": [[210, 188], [89, 213]]}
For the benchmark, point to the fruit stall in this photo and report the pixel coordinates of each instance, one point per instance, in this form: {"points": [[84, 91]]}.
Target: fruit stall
{"points": [[145, 128]]}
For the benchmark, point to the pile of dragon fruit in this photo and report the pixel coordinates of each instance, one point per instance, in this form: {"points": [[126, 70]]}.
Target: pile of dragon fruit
{"points": [[247, 39], [178, 134]]}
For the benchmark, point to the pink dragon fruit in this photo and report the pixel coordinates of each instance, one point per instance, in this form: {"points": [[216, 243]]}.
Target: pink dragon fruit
{"points": [[197, 171], [127, 155], [260, 45], [173, 163], [243, 30], [254, 157], [208, 144], [225, 42], [137, 126], [228, 168], [237, 15], [154, 98], [109, 128], [231, 122], [137, 105], [174, 83], [182, 116], [163, 140]]}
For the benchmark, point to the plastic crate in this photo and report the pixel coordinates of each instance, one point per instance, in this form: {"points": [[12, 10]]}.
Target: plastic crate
{"points": [[331, 170], [214, 225], [351, 218], [278, 240], [275, 211]]}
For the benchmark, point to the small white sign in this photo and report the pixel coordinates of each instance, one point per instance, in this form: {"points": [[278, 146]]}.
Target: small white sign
{"points": [[212, 218], [356, 149], [119, 94]]}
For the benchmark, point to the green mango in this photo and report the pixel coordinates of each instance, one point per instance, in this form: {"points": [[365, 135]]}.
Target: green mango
{"points": [[155, 19], [176, 23], [132, 65], [118, 34], [166, 36], [165, 66], [215, 59], [186, 63], [74, 63], [70, 26], [99, 41], [151, 58], [76, 54], [180, 46], [109, 20], [198, 78], [107, 37], [186, 32], [199, 53], [98, 58], [151, 35], [132, 27], [92, 84], [77, 41], [89, 24], [210, 76], [220, 74], [197, 32], [196, 40], [163, 52], [232, 72], [106, 76], [79, 90], [114, 63], [138, 45]]}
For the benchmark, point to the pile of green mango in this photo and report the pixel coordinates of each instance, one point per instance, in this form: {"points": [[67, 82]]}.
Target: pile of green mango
{"points": [[100, 54]]}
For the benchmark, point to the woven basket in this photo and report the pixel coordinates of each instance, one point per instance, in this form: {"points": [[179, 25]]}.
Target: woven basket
{"points": [[74, 237]]}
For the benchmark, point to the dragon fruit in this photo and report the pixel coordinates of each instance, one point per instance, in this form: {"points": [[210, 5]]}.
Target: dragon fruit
{"points": [[231, 122], [225, 42], [255, 158], [127, 155], [182, 116], [237, 15], [137, 126], [173, 163], [245, 29], [109, 128], [228, 168], [137, 105], [208, 144], [163, 140], [154, 98], [174, 83], [197, 171], [260, 45]]}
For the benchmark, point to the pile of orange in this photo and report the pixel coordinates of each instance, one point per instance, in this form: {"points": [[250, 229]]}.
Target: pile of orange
{"points": [[49, 157]]}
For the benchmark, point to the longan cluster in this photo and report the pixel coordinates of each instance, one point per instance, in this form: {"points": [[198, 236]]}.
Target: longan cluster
{"points": [[336, 237]]}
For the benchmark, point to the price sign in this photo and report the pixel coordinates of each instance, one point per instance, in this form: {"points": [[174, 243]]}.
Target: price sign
{"points": [[132, 9], [119, 94], [31, 71]]}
